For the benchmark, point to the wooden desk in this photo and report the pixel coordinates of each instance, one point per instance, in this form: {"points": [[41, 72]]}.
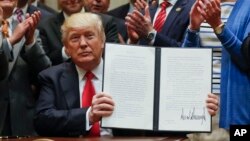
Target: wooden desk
{"points": [[98, 139]]}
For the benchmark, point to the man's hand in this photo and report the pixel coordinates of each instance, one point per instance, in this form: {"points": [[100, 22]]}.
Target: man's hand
{"points": [[102, 106], [212, 102], [25, 28], [139, 23], [19, 32], [33, 21], [195, 17], [211, 12]]}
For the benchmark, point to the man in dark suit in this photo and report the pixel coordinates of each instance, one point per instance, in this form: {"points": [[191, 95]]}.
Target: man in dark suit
{"points": [[101, 6], [16, 96], [51, 33], [60, 109], [172, 30]]}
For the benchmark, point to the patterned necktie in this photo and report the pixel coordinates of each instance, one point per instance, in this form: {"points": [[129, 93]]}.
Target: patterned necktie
{"points": [[19, 14], [161, 17], [5, 28], [87, 95]]}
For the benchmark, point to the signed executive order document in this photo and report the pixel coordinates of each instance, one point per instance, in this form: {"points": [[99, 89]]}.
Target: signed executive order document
{"points": [[161, 89]]}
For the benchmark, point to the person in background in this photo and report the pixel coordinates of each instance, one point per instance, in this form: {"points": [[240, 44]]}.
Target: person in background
{"points": [[23, 7], [235, 84], [27, 56], [64, 107], [163, 24], [200, 30], [96, 6], [51, 33], [40, 5], [101, 7]]}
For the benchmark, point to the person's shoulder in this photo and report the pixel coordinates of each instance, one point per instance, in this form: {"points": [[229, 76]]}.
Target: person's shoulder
{"points": [[44, 14], [120, 8], [46, 23], [189, 2], [105, 16], [46, 8], [56, 70]]}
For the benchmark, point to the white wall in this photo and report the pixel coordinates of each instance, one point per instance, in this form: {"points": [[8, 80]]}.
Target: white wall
{"points": [[116, 3], [52, 3], [113, 3]]}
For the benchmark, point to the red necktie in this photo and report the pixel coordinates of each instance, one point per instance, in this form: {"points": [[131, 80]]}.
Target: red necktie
{"points": [[161, 17], [87, 95], [5, 28]]}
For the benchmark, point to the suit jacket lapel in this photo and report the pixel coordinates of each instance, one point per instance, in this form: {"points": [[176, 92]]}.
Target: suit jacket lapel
{"points": [[175, 11], [152, 11], [16, 48], [125, 11], [70, 86]]}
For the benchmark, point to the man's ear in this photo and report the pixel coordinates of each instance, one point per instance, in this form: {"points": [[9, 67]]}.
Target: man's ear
{"points": [[103, 46], [67, 52]]}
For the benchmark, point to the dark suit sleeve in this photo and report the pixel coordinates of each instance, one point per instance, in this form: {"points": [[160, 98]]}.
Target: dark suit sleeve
{"points": [[175, 26], [3, 65], [52, 116], [36, 56], [46, 8], [6, 50], [110, 27], [6, 55]]}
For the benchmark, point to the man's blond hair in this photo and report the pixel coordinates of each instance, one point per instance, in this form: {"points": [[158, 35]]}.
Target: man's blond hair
{"points": [[82, 20]]}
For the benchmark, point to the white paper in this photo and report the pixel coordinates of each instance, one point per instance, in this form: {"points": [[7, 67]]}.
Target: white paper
{"points": [[129, 79], [184, 85]]}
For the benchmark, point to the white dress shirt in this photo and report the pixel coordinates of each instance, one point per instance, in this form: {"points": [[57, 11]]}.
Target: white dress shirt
{"points": [[97, 82]]}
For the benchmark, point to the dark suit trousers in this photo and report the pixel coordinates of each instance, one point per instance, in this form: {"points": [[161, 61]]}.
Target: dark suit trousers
{"points": [[7, 124]]}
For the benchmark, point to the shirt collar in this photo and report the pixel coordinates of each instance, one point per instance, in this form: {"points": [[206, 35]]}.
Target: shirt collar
{"points": [[131, 7], [24, 9], [97, 71], [172, 2]]}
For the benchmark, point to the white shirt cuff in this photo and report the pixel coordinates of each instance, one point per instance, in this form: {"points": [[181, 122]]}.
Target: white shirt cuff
{"points": [[88, 124]]}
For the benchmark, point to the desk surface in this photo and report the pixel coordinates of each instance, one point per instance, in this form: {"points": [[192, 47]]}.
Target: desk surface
{"points": [[98, 139]]}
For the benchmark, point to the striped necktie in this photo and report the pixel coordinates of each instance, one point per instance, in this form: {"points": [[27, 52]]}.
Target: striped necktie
{"points": [[161, 17], [19, 14]]}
